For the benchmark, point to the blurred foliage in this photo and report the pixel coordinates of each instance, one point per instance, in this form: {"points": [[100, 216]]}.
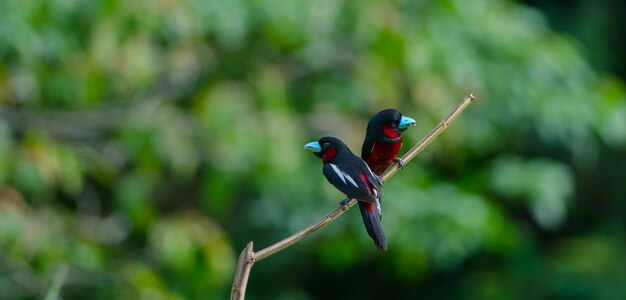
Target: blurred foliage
{"points": [[584, 19], [144, 143]]}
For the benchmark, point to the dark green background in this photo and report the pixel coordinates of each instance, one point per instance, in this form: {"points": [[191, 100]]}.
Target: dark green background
{"points": [[144, 143]]}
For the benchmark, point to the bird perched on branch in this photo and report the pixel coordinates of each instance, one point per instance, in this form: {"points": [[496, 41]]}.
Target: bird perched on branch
{"points": [[383, 139], [351, 175]]}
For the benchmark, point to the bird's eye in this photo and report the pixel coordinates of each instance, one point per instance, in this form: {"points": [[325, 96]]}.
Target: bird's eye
{"points": [[325, 145], [394, 124]]}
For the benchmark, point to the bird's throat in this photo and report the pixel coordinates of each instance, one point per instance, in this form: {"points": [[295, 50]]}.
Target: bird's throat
{"points": [[390, 132], [329, 154]]}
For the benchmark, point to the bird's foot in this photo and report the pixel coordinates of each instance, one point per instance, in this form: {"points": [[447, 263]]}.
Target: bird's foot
{"points": [[344, 202], [400, 162]]}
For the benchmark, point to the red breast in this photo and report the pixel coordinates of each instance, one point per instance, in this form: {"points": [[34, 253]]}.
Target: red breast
{"points": [[382, 155]]}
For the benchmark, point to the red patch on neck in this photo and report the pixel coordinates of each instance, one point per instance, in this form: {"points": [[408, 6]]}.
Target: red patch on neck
{"points": [[329, 154], [390, 132]]}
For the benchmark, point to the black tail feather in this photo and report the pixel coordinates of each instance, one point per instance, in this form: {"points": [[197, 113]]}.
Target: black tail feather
{"points": [[373, 226]]}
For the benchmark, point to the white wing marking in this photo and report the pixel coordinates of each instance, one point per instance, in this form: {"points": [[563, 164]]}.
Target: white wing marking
{"points": [[343, 175], [339, 173], [350, 179]]}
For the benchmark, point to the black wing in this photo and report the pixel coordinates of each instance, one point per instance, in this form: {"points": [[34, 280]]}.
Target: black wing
{"points": [[374, 179], [347, 179], [368, 146]]}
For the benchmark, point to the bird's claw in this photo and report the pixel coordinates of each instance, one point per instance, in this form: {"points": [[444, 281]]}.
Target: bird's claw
{"points": [[344, 202], [400, 162]]}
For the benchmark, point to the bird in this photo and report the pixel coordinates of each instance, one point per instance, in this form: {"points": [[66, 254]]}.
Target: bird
{"points": [[383, 139], [351, 175]]}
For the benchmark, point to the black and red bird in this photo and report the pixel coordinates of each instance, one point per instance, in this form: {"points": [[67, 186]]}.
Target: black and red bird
{"points": [[383, 139], [351, 175]]}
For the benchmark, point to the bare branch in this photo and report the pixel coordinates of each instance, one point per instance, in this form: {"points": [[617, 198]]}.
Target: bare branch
{"points": [[248, 257], [246, 260]]}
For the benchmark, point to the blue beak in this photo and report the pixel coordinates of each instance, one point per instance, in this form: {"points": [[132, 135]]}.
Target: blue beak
{"points": [[313, 147], [406, 122]]}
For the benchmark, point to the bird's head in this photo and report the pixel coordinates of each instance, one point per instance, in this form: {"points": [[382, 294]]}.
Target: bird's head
{"points": [[326, 148], [390, 123]]}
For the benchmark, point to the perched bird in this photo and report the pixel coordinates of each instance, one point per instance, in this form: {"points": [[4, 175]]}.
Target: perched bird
{"points": [[351, 175], [383, 139]]}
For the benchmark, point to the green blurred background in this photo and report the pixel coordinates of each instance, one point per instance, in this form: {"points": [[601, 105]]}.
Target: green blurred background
{"points": [[144, 143]]}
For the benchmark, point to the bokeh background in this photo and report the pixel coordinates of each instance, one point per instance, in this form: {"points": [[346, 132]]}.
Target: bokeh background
{"points": [[144, 143]]}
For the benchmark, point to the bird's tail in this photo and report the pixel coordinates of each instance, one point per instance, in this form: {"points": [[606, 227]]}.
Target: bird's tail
{"points": [[371, 217]]}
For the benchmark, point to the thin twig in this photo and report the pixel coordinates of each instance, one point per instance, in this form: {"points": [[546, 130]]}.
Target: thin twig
{"points": [[248, 257]]}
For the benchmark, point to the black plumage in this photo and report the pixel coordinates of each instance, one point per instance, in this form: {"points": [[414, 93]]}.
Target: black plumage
{"points": [[351, 175]]}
